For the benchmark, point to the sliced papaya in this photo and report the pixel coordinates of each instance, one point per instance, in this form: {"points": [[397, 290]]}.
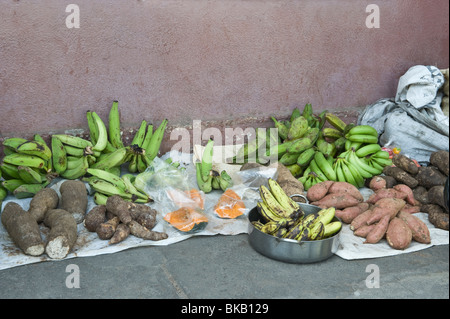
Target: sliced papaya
{"points": [[187, 220], [229, 205]]}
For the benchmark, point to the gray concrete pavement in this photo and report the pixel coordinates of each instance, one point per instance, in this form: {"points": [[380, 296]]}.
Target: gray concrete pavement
{"points": [[222, 267]]}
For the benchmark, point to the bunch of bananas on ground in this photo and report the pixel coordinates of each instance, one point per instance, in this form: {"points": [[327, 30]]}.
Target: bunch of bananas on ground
{"points": [[26, 167], [345, 152], [145, 146], [282, 217], [208, 178], [107, 184]]}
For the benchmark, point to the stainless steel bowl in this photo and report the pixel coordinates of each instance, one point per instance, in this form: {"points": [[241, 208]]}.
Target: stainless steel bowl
{"points": [[290, 250]]}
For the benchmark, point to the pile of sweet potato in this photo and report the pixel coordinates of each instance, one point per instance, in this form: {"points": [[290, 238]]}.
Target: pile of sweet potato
{"points": [[390, 216], [426, 182], [385, 214]]}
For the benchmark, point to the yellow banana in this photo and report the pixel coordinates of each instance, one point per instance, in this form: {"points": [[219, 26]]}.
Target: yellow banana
{"points": [[266, 212], [280, 195], [331, 229]]}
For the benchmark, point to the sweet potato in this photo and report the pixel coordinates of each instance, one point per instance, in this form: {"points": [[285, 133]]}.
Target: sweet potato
{"points": [[440, 159], [385, 207], [405, 163], [376, 183], [398, 234], [23, 229], [349, 213], [42, 201], [419, 229], [401, 176], [338, 201], [408, 191], [74, 198], [318, 191], [63, 233], [364, 230], [410, 209], [95, 217], [430, 176], [360, 220], [345, 188], [385, 193], [377, 232]]}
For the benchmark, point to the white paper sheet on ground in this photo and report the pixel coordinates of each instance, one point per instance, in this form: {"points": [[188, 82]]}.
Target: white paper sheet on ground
{"points": [[88, 244]]}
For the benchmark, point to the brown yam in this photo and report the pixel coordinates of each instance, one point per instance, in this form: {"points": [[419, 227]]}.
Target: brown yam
{"points": [[338, 201], [400, 176], [421, 194], [107, 229], [63, 233], [346, 188], [385, 207], [376, 183], [390, 181], [23, 229], [408, 191], [436, 216], [42, 201], [360, 220], [349, 213], [74, 198], [378, 232], [318, 191], [95, 217], [119, 207], [430, 176], [121, 233], [140, 231], [440, 159], [405, 163], [419, 229], [398, 234], [364, 230], [436, 195], [385, 193]]}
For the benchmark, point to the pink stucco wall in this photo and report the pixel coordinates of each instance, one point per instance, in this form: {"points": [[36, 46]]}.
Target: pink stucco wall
{"points": [[209, 60]]}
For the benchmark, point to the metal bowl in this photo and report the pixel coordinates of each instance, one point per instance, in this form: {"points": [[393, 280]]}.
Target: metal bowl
{"points": [[291, 250]]}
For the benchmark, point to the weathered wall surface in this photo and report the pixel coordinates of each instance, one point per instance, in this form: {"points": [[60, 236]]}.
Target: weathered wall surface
{"points": [[222, 62]]}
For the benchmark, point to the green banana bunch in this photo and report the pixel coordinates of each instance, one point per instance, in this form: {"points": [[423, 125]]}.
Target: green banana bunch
{"points": [[208, 178], [27, 166], [106, 184], [363, 134]]}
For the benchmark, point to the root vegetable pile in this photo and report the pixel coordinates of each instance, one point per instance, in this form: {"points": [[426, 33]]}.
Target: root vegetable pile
{"points": [[117, 219], [426, 183]]}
